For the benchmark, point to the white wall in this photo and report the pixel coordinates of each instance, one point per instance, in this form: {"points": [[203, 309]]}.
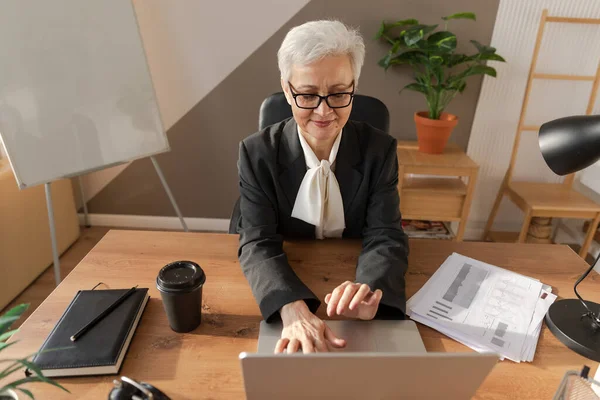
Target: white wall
{"points": [[192, 45], [566, 49]]}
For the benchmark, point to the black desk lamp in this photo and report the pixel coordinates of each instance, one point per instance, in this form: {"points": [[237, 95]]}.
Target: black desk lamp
{"points": [[569, 145]]}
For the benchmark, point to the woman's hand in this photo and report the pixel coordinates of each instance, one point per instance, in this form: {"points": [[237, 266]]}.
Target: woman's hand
{"points": [[353, 300], [304, 330]]}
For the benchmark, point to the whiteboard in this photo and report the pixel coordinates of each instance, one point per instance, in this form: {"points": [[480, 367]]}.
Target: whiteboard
{"points": [[75, 89]]}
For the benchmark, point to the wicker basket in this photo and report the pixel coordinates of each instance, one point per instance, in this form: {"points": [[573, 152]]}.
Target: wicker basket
{"points": [[533, 239], [540, 231]]}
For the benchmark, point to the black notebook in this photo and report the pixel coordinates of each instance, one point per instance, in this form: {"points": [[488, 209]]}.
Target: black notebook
{"points": [[100, 350]]}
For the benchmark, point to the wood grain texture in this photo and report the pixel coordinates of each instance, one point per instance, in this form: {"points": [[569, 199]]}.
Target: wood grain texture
{"points": [[452, 157], [554, 197], [589, 236], [564, 77], [438, 199], [436, 208], [423, 216], [567, 20], [494, 210], [440, 186], [594, 93], [203, 364], [467, 204], [532, 128], [525, 226]]}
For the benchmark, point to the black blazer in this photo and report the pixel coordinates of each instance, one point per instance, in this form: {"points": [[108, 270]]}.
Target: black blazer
{"points": [[271, 167]]}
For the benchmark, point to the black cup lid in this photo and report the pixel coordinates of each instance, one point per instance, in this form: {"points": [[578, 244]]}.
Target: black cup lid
{"points": [[180, 275]]}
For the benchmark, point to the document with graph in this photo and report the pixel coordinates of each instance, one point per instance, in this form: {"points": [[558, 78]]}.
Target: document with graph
{"points": [[482, 306]]}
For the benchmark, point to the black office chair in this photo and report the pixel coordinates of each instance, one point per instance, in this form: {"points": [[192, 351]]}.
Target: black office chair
{"points": [[275, 108]]}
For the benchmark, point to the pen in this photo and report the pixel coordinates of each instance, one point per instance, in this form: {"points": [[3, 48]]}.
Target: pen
{"points": [[103, 314]]}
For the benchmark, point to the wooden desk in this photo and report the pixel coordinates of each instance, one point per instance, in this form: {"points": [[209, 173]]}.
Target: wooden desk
{"points": [[204, 364], [437, 199]]}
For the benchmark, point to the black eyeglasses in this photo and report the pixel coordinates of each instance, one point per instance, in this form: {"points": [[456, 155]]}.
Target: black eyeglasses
{"points": [[311, 101]]}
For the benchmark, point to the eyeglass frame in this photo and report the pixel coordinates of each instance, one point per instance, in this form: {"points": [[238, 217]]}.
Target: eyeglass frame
{"points": [[295, 95]]}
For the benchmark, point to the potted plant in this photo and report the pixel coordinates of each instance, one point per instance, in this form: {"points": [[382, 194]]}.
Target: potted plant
{"points": [[8, 391], [440, 72]]}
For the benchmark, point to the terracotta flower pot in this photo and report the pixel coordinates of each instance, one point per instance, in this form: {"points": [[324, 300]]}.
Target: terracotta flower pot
{"points": [[433, 134]]}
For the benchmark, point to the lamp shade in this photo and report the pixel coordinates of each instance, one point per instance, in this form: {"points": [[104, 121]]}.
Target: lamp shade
{"points": [[570, 144]]}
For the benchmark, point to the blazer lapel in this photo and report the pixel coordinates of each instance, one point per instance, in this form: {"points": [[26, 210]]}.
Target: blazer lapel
{"points": [[349, 178], [291, 159]]}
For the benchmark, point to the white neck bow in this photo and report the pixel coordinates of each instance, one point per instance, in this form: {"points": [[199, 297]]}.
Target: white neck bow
{"points": [[319, 201]]}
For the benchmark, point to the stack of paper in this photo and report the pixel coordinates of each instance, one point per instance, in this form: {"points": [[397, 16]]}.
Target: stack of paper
{"points": [[484, 307]]}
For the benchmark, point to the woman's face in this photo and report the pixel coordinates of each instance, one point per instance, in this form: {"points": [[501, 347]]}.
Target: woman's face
{"points": [[330, 75]]}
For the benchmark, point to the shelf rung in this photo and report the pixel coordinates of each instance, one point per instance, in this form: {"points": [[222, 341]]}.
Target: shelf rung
{"points": [[437, 186], [534, 128], [593, 21], [562, 77], [430, 217]]}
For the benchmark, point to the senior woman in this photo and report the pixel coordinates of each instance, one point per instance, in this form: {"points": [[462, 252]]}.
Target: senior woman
{"points": [[319, 175]]}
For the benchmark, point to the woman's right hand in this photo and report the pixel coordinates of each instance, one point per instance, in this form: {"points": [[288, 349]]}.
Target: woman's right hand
{"points": [[302, 330]]}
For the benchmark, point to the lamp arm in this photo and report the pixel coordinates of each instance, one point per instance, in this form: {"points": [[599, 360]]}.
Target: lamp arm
{"points": [[595, 319]]}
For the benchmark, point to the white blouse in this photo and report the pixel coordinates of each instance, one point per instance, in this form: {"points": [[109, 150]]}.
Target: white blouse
{"points": [[319, 201]]}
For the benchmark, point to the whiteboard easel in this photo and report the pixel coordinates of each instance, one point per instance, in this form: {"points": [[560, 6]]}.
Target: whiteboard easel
{"points": [[76, 94]]}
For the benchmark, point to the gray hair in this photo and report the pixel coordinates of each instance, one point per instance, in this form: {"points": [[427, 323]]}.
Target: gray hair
{"points": [[315, 40]]}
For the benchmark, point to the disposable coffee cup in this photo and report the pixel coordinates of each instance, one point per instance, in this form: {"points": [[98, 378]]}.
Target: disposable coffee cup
{"points": [[180, 285]]}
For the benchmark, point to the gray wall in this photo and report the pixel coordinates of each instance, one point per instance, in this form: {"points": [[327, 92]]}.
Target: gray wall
{"points": [[201, 167]]}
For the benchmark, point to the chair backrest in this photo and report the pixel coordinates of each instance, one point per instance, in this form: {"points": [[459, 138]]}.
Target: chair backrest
{"points": [[275, 108]]}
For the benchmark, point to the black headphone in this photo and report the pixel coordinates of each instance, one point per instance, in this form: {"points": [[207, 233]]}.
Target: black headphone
{"points": [[129, 389]]}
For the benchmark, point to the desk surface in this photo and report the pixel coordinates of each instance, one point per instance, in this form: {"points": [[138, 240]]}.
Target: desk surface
{"points": [[204, 364]]}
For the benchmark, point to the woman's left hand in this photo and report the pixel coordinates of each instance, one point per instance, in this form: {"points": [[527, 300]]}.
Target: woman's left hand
{"points": [[353, 300]]}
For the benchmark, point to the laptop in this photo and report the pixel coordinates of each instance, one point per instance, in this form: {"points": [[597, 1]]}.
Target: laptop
{"points": [[454, 376], [360, 336], [382, 360]]}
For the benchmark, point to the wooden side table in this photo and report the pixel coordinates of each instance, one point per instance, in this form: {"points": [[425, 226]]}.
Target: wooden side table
{"points": [[436, 197]]}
